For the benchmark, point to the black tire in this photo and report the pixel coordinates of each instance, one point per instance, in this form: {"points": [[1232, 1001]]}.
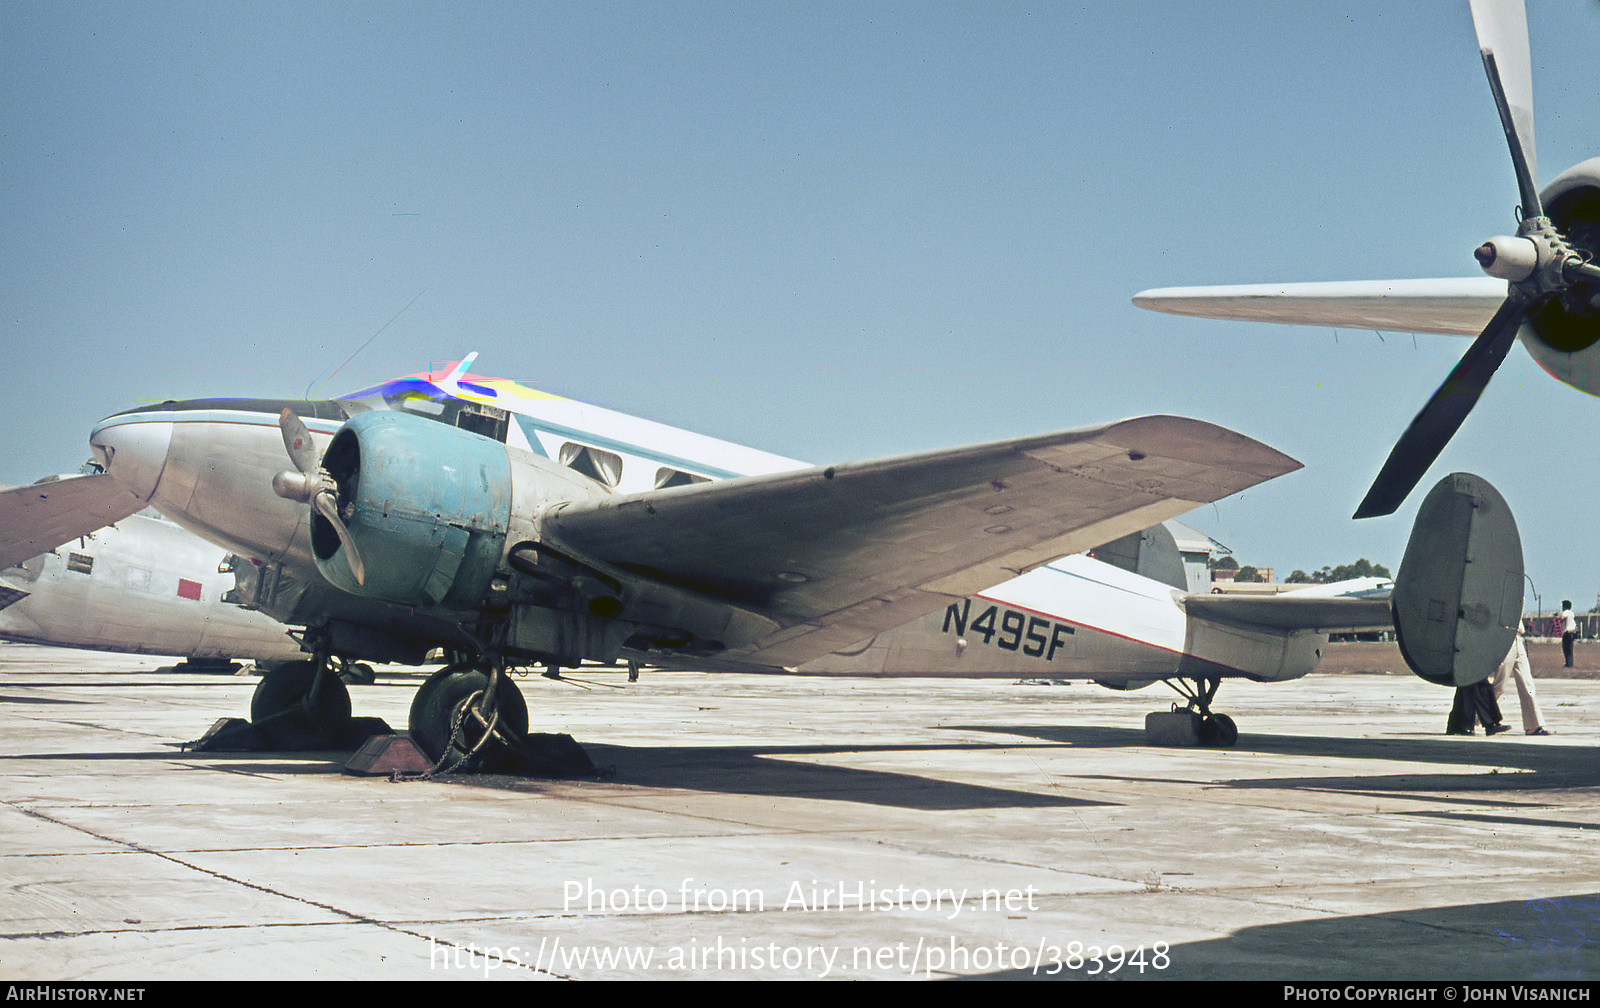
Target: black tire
{"points": [[281, 715], [437, 706], [1219, 731]]}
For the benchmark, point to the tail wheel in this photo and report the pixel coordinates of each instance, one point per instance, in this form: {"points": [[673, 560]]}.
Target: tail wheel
{"points": [[447, 725]]}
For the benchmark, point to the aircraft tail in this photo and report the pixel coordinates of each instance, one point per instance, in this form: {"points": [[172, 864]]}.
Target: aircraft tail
{"points": [[1458, 596]]}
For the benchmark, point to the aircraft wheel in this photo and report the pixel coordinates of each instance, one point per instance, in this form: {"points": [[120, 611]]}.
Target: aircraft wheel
{"points": [[441, 705], [1218, 730], [358, 673], [289, 718]]}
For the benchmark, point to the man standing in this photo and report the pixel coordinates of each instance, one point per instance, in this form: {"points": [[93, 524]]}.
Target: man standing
{"points": [[1569, 629]]}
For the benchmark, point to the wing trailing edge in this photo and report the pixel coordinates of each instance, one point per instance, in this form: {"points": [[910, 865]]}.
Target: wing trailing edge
{"points": [[42, 516], [835, 554]]}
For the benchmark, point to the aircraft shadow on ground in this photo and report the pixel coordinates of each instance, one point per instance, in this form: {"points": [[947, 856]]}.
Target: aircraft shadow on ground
{"points": [[1519, 766], [1539, 939], [763, 770], [746, 770]]}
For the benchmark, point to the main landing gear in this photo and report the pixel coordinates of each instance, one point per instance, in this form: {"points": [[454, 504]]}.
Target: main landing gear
{"points": [[1194, 724], [469, 717], [298, 706]]}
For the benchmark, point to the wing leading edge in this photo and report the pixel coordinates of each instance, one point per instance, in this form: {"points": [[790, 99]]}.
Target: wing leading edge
{"points": [[1454, 307], [833, 555]]}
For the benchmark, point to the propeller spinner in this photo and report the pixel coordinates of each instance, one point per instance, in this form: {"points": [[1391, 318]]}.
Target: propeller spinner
{"points": [[311, 484], [1538, 262]]}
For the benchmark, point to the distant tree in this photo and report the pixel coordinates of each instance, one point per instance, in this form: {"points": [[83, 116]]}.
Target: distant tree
{"points": [[1223, 563], [1249, 575], [1344, 572]]}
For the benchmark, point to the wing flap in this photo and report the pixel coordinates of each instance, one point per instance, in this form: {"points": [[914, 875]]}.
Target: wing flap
{"points": [[1455, 307], [835, 554], [42, 516]]}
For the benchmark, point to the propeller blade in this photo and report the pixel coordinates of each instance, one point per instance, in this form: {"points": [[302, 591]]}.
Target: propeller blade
{"points": [[327, 507], [1502, 27], [1442, 416], [298, 441]]}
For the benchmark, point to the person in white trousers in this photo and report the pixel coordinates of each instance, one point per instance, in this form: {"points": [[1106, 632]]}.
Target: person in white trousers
{"points": [[1516, 667]]}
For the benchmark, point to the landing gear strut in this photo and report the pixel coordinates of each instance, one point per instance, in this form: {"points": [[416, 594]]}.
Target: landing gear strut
{"points": [[1194, 724]]}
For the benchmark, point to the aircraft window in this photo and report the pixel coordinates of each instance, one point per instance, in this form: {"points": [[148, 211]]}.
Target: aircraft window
{"points": [[666, 477], [603, 466], [490, 421], [80, 562], [418, 404]]}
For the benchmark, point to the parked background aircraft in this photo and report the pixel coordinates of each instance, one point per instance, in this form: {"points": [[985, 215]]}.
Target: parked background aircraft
{"points": [[837, 232], [140, 586], [1542, 285]]}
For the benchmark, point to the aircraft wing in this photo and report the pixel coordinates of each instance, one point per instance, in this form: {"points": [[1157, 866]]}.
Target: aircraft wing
{"points": [[1297, 611], [833, 555], [1457, 307], [42, 516]]}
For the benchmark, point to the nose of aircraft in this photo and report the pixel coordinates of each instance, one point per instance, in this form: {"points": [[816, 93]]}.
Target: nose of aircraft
{"points": [[133, 451]]}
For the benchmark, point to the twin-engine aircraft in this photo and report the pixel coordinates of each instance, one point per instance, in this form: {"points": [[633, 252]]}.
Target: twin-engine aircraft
{"points": [[515, 528], [1543, 286]]}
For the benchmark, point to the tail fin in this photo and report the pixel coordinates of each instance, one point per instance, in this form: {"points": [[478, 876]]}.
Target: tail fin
{"points": [[1458, 596]]}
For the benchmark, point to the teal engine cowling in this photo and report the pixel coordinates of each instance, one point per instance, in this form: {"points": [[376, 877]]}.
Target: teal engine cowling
{"points": [[427, 506]]}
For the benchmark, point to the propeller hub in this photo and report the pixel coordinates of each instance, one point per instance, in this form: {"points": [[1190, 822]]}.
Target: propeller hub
{"points": [[295, 486], [1508, 258]]}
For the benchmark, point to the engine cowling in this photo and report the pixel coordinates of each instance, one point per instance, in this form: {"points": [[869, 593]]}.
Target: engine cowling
{"points": [[1563, 336], [427, 505]]}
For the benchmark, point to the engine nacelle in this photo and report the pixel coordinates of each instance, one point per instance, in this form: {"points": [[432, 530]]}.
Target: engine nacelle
{"points": [[427, 506], [1564, 335]]}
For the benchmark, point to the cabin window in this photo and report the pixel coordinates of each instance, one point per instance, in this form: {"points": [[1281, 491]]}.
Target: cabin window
{"points": [[666, 477], [83, 563], [604, 466]]}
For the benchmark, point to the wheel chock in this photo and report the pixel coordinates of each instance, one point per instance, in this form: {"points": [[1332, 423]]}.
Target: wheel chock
{"points": [[383, 755], [1172, 728], [229, 734]]}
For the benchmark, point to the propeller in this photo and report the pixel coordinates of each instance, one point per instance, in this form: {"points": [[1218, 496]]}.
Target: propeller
{"points": [[312, 484], [1538, 262]]}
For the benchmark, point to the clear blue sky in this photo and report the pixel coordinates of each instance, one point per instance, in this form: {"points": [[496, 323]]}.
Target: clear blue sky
{"points": [[829, 230]]}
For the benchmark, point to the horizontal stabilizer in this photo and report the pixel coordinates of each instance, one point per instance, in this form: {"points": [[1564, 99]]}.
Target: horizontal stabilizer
{"points": [[42, 516], [835, 554], [1454, 307], [1308, 609]]}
